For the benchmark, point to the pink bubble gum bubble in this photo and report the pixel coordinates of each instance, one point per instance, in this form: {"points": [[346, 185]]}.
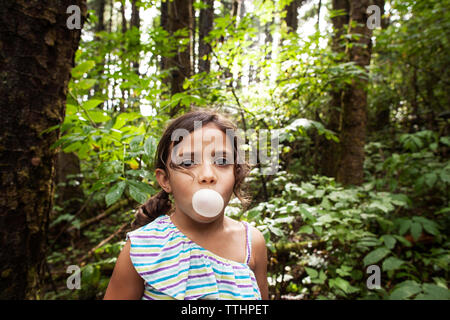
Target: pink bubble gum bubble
{"points": [[207, 202]]}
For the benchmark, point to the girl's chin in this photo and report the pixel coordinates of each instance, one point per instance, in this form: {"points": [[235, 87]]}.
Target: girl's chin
{"points": [[202, 219]]}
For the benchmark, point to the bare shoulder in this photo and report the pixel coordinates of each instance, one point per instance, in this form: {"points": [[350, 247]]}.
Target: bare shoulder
{"points": [[125, 282], [258, 240], [233, 225], [258, 261]]}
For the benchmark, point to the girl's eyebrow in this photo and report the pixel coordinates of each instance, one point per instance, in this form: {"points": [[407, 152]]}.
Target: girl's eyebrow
{"points": [[220, 152]]}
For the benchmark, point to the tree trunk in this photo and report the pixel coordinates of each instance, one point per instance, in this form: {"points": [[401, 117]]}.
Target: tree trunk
{"points": [[331, 149], [136, 23], [100, 11], [164, 22], [99, 7], [236, 6], [382, 113], [36, 57], [205, 26], [292, 15], [124, 19], [354, 101], [179, 17], [125, 62]]}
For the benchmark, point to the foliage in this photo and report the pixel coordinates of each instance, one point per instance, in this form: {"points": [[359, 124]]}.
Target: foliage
{"points": [[321, 235]]}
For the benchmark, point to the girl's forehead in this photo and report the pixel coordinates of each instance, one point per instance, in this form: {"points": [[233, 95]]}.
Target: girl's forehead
{"points": [[208, 136]]}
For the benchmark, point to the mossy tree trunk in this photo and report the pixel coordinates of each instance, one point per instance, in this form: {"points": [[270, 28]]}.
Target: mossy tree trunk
{"points": [[331, 150], [206, 20], [37, 52], [347, 114], [177, 15], [354, 100]]}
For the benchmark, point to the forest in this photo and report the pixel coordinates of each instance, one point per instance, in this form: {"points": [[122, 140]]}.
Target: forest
{"points": [[355, 91]]}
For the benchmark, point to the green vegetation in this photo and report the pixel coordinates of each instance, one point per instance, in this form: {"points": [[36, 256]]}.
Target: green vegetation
{"points": [[322, 234]]}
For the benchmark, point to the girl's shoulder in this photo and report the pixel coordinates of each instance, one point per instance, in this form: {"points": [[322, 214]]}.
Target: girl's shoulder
{"points": [[253, 231], [160, 224], [156, 231]]}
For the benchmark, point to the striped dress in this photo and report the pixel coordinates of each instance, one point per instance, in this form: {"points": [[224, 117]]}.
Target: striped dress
{"points": [[174, 267]]}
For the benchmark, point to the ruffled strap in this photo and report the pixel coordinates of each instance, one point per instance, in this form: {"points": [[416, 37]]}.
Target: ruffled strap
{"points": [[248, 237]]}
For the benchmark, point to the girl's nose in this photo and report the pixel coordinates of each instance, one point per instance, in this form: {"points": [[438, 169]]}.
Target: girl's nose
{"points": [[206, 175]]}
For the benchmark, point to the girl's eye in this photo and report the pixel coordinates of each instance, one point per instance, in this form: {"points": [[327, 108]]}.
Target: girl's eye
{"points": [[187, 163], [222, 161]]}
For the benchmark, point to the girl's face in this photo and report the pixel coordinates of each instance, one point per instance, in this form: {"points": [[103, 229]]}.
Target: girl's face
{"points": [[206, 154]]}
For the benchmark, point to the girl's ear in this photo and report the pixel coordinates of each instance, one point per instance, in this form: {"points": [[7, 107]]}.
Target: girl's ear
{"points": [[163, 180]]}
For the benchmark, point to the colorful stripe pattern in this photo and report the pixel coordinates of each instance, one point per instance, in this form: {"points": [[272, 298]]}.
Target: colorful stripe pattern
{"points": [[174, 267]]}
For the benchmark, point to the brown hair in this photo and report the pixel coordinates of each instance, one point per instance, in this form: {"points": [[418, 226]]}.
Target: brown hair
{"points": [[160, 204]]}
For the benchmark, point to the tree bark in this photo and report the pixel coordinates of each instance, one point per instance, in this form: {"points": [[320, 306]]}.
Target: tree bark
{"points": [[331, 149], [36, 57], [124, 19], [179, 17], [354, 101], [292, 15], [382, 113], [164, 23], [100, 11], [99, 7], [205, 26], [136, 23], [236, 6]]}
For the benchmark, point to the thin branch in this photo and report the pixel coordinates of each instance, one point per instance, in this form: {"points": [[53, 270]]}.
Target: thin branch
{"points": [[102, 243]]}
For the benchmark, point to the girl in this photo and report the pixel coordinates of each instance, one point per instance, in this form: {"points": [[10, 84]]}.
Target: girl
{"points": [[191, 252]]}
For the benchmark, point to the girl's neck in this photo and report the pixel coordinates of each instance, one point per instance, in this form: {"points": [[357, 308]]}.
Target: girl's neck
{"points": [[188, 225]]}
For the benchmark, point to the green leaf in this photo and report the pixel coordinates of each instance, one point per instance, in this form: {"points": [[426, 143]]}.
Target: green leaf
{"points": [[344, 271], [82, 68], [430, 179], [124, 117], [342, 284], [141, 186], [306, 229], [416, 230], [98, 116], [434, 292], [321, 279], [401, 200], [135, 143], [306, 215], [115, 193], [91, 104], [389, 241], [150, 147], [405, 224], [445, 140], [253, 213], [137, 194], [383, 206], [86, 84], [375, 256], [405, 290], [402, 240], [430, 226], [276, 231], [312, 273], [392, 263]]}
